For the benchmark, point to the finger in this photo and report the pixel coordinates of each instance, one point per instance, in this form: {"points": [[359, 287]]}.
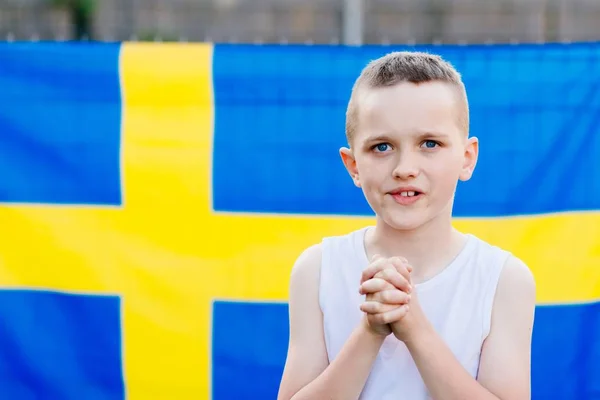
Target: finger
{"points": [[379, 263], [402, 266], [375, 307], [374, 285], [393, 296], [400, 259], [398, 281], [376, 266], [391, 316]]}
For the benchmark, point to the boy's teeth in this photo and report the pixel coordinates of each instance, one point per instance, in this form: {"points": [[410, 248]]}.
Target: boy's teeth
{"points": [[407, 194]]}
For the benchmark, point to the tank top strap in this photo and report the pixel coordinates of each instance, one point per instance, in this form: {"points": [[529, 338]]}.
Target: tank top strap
{"points": [[495, 259], [341, 263]]}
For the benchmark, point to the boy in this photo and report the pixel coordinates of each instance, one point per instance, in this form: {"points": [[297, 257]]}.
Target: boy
{"points": [[410, 308]]}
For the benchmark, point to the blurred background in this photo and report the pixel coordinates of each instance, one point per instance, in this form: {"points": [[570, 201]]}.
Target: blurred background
{"points": [[303, 21], [164, 163]]}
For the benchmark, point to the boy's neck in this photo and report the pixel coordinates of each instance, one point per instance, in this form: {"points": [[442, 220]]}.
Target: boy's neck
{"points": [[429, 248]]}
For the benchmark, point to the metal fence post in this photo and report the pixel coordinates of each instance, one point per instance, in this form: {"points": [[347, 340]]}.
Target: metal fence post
{"points": [[128, 17], [353, 22]]}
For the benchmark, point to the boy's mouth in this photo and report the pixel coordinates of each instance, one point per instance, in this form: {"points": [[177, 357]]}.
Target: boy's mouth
{"points": [[406, 191], [406, 196]]}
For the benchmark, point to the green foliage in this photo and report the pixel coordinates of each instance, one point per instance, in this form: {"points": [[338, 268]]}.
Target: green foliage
{"points": [[81, 13]]}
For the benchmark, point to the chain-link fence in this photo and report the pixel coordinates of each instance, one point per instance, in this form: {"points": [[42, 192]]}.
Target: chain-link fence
{"points": [[302, 21]]}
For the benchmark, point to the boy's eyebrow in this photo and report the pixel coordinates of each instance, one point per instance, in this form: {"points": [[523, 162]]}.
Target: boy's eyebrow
{"points": [[432, 134], [377, 138]]}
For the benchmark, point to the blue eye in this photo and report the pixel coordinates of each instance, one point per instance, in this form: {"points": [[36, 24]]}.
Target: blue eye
{"points": [[382, 147], [430, 144]]}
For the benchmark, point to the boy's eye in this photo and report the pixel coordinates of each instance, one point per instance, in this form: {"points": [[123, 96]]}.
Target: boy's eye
{"points": [[382, 147], [430, 144]]}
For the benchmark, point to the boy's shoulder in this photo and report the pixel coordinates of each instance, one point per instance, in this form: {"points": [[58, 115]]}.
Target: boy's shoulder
{"points": [[513, 266], [515, 278], [306, 268]]}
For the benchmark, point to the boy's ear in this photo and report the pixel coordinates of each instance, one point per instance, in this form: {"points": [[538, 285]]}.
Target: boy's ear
{"points": [[350, 164], [470, 160]]}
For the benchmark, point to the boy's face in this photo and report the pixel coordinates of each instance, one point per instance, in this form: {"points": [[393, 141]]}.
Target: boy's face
{"points": [[409, 152]]}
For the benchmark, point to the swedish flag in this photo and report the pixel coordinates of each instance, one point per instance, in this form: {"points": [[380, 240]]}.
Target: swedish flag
{"points": [[155, 197]]}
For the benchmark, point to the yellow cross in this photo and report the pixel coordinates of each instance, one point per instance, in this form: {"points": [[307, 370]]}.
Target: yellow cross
{"points": [[164, 251]]}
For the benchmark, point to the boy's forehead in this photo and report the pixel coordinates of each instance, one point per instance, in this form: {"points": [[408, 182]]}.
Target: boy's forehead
{"points": [[406, 96], [409, 107]]}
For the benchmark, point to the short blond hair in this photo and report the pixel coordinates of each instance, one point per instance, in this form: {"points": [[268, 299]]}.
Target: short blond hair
{"points": [[404, 66]]}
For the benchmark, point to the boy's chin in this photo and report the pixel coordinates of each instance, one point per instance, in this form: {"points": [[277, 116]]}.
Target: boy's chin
{"points": [[405, 221]]}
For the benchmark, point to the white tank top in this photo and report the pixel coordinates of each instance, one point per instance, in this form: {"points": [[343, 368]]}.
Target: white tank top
{"points": [[458, 302]]}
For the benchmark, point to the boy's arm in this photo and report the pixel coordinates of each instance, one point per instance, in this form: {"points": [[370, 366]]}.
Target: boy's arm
{"points": [[505, 366], [504, 371], [307, 374]]}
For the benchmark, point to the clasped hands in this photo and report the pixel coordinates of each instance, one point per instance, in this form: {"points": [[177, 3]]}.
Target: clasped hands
{"points": [[386, 282]]}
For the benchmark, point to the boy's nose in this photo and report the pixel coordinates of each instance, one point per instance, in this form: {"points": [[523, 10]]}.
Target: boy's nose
{"points": [[406, 168]]}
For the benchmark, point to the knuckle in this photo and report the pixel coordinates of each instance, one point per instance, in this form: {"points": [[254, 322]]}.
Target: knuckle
{"points": [[378, 262], [384, 296], [388, 286], [389, 296], [384, 318], [371, 285], [399, 297]]}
